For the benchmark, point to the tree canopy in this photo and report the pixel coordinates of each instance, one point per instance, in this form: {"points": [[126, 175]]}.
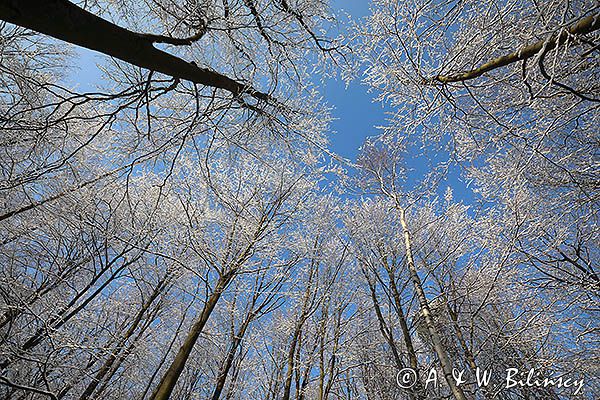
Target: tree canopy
{"points": [[186, 230]]}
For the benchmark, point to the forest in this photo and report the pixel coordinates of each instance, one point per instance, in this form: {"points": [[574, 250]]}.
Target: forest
{"points": [[175, 222]]}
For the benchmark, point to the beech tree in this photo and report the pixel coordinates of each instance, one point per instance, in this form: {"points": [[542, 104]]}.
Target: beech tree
{"points": [[67, 21], [464, 271], [509, 90], [211, 225], [303, 353], [506, 91], [72, 302], [382, 173], [146, 113], [62, 147]]}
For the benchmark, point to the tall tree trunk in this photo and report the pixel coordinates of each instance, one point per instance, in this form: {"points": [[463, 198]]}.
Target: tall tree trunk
{"points": [[290, 363], [386, 332], [304, 314], [337, 332], [426, 311], [410, 349], [169, 379], [417, 391], [412, 355], [322, 335], [163, 359], [463, 343]]}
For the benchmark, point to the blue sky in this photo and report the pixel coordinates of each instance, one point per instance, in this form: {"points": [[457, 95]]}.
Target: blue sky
{"points": [[355, 112], [357, 116]]}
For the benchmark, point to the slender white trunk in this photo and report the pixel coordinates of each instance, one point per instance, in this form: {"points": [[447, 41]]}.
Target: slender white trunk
{"points": [[426, 311]]}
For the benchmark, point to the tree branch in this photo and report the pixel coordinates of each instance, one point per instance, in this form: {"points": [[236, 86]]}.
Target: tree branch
{"points": [[27, 388], [175, 41], [583, 26], [66, 21]]}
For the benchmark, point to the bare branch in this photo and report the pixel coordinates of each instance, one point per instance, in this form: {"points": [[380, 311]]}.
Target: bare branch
{"points": [[583, 26], [27, 388]]}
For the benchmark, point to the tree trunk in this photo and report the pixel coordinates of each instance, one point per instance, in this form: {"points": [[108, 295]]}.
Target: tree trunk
{"points": [[463, 343], [426, 311], [583, 26], [290, 364], [169, 379], [297, 332], [410, 349], [412, 355]]}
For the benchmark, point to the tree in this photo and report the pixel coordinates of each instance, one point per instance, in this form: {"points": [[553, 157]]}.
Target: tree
{"points": [[64, 151], [382, 174], [303, 354], [142, 117], [507, 92], [379, 250], [67, 21], [506, 89]]}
